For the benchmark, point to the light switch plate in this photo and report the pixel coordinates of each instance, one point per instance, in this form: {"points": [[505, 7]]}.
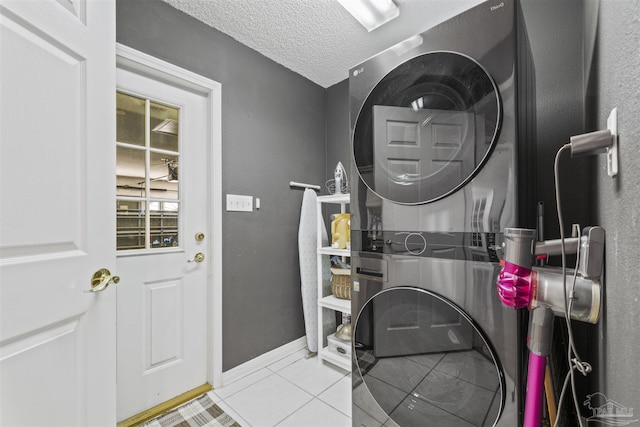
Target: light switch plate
{"points": [[239, 203]]}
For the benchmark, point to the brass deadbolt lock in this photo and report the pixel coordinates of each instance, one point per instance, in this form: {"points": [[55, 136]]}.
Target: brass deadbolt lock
{"points": [[199, 237]]}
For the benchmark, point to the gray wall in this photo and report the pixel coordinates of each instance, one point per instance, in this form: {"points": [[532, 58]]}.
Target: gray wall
{"points": [[615, 82], [265, 123], [273, 131], [555, 38], [338, 137], [555, 105], [577, 88]]}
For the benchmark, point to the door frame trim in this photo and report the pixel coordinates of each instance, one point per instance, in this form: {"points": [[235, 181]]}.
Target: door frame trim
{"points": [[149, 66]]}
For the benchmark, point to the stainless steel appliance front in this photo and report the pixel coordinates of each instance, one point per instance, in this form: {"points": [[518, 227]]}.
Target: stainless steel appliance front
{"points": [[430, 343], [433, 129], [433, 124]]}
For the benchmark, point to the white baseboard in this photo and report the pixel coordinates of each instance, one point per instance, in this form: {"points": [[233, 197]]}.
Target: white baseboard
{"points": [[263, 361]]}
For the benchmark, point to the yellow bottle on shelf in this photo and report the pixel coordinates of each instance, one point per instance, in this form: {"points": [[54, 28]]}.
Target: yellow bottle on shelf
{"points": [[340, 230]]}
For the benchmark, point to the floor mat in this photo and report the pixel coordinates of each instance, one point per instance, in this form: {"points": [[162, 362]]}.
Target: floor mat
{"points": [[199, 412]]}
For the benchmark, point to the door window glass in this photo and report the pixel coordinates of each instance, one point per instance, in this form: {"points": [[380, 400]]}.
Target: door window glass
{"points": [[421, 358], [147, 173], [426, 128], [164, 127], [130, 119]]}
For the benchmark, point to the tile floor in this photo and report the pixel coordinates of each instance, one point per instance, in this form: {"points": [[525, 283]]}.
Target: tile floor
{"points": [[292, 392], [458, 389]]}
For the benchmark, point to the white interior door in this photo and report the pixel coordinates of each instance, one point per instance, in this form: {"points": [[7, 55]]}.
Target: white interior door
{"points": [[163, 198], [57, 343]]}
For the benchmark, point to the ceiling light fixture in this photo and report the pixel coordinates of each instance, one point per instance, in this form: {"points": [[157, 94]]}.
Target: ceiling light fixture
{"points": [[371, 13], [168, 127]]}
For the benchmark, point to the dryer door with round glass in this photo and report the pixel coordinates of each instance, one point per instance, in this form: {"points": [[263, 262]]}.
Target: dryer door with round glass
{"points": [[426, 128], [425, 362]]}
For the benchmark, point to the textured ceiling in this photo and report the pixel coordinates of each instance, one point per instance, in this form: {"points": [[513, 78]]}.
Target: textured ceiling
{"points": [[316, 38]]}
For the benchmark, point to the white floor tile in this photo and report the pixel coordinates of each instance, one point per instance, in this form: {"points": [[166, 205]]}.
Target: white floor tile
{"points": [[339, 395], [316, 414], [292, 358], [269, 401], [213, 396], [233, 414], [242, 383], [312, 376]]}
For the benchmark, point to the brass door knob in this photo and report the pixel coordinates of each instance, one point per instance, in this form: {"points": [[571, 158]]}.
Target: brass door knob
{"points": [[198, 258], [101, 279]]}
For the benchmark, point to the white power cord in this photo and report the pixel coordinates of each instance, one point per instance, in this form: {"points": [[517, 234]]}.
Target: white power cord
{"points": [[575, 363]]}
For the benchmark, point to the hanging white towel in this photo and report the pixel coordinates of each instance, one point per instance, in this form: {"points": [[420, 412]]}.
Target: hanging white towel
{"points": [[307, 235]]}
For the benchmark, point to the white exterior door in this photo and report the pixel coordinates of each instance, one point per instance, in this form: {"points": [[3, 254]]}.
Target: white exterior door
{"points": [[57, 343], [163, 222]]}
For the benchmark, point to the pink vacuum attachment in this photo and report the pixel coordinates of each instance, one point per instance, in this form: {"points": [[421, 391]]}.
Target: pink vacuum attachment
{"points": [[515, 285], [515, 289], [535, 390], [518, 287]]}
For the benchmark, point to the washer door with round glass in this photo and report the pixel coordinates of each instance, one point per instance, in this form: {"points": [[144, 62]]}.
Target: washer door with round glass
{"points": [[426, 128], [425, 362]]}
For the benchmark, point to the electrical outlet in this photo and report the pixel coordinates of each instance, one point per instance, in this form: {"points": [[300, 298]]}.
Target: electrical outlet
{"points": [[239, 203]]}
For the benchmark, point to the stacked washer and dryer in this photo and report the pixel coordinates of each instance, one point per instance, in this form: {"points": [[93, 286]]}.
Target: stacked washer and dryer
{"points": [[433, 122]]}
